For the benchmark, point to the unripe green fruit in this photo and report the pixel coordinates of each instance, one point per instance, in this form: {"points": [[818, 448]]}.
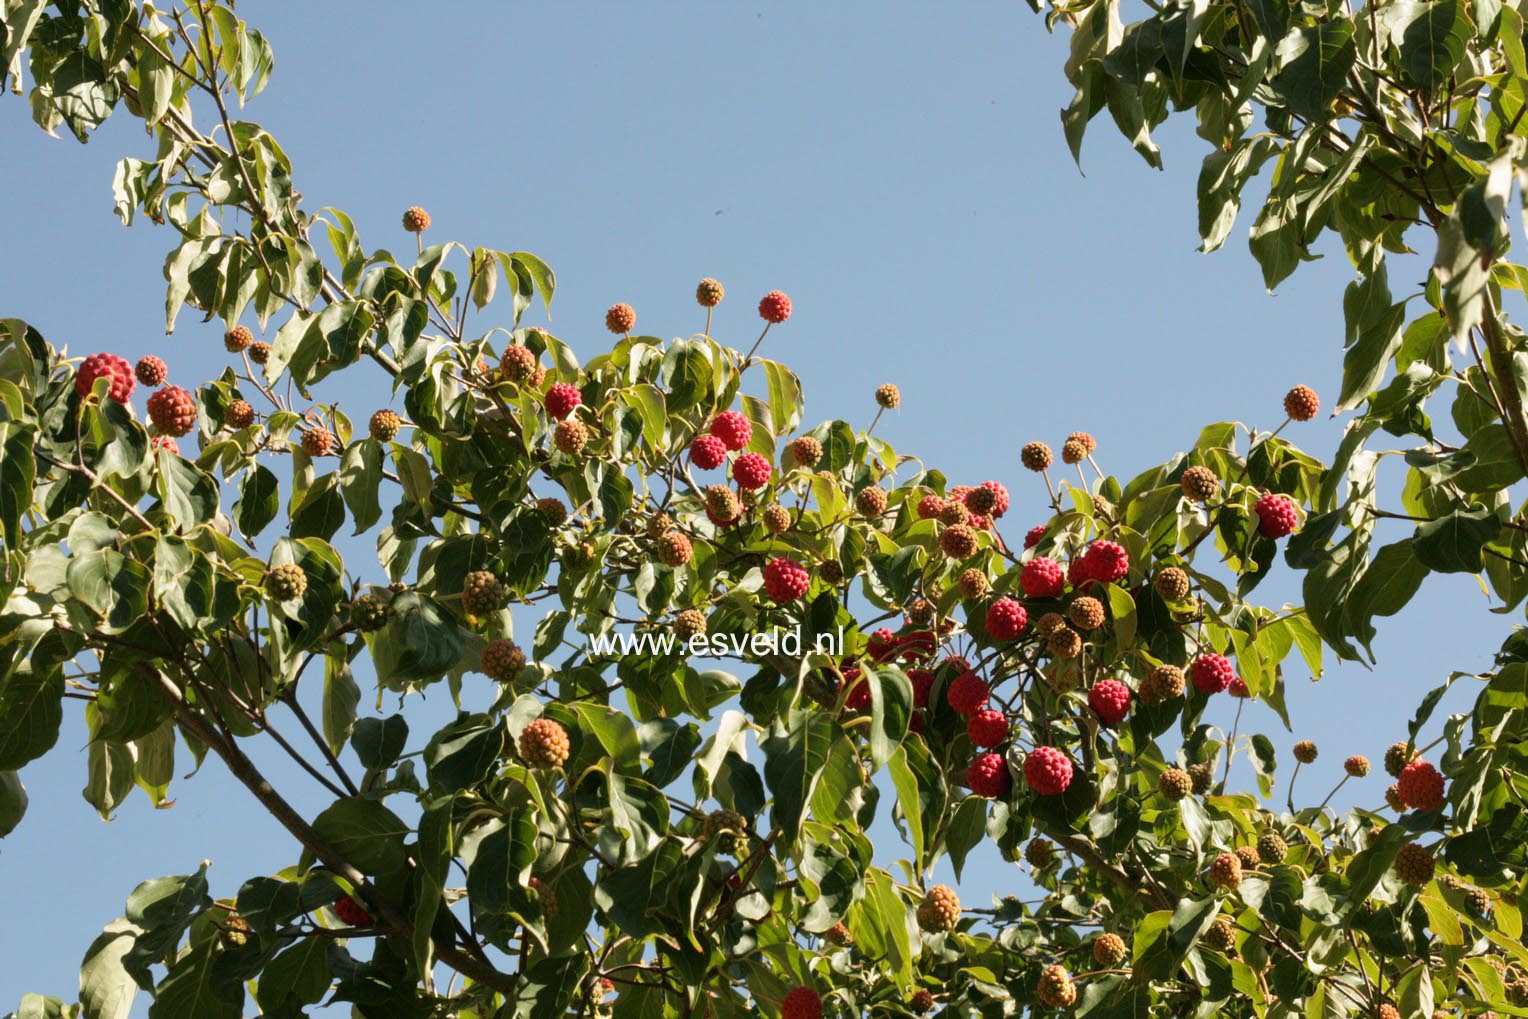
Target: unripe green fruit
{"points": [[482, 593], [368, 613], [1271, 847], [501, 661], [286, 582]]}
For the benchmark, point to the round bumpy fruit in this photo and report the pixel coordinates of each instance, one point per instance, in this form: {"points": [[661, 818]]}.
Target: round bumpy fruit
{"points": [[1387, 1011], [708, 452], [286, 582], [1086, 613], [1172, 584], [1161, 684], [110, 367], [555, 511], [785, 580], [1064, 642], [987, 728], [922, 1001], [980, 501], [733, 428], [368, 613], [1174, 784], [1301, 403], [173, 411], [1109, 950], [689, 623], [416, 220], [317, 441], [351, 913], [166, 443], [1226, 871], [1305, 751], [709, 293], [1222, 935], [972, 583], [674, 549], [1048, 771], [1110, 701], [151, 370], [1211, 673], [1040, 853], [1000, 500], [1276, 516], [888, 396], [722, 505], [831, 571], [1107, 561], [501, 660], [751, 471], [1036, 456], [1042, 578], [482, 593], [1006, 619], [968, 693], [517, 363], [777, 519], [801, 1003], [1421, 786], [1248, 857], [570, 436], [1397, 756], [1073, 452], [562, 399], [1356, 766], [988, 776], [620, 318], [1199, 484], [1034, 535], [1056, 988], [920, 611], [238, 414], [939, 910], [544, 744], [1271, 847], [384, 425], [238, 338], [838, 935], [259, 352], [870, 502], [958, 542], [1414, 864], [1202, 777], [775, 307], [1088, 442], [806, 451]]}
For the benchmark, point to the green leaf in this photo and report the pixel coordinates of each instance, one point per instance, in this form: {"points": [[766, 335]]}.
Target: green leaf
{"points": [[298, 976], [464, 753], [794, 755], [107, 989], [365, 833], [614, 731], [1453, 544], [379, 741], [259, 500], [1313, 66], [13, 802], [1431, 38], [496, 877], [891, 709], [198, 989], [420, 643], [360, 481], [31, 711]]}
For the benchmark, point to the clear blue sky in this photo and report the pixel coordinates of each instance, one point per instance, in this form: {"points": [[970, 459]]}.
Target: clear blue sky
{"points": [[899, 169]]}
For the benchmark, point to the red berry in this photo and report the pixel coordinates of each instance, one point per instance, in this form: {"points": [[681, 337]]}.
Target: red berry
{"points": [[1239, 687], [968, 693], [352, 913], [620, 318], [1276, 516], [775, 307], [733, 428], [1212, 673], [801, 1003], [988, 776], [923, 682], [561, 400], [882, 646], [166, 443], [1033, 536], [172, 410], [1047, 771], [1079, 572], [1107, 561], [1110, 701], [1000, 501], [929, 507], [108, 366], [859, 691], [1042, 578], [151, 370], [785, 580], [1420, 786], [707, 452], [1006, 619], [752, 471], [987, 728]]}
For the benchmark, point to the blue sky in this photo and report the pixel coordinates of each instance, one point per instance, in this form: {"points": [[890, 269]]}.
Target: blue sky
{"points": [[898, 169]]}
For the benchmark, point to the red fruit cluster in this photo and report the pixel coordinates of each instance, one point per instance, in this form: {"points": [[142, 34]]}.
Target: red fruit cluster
{"points": [[108, 366], [1033, 536], [1106, 562], [708, 452], [988, 776], [775, 307], [968, 693], [1042, 578], [785, 580], [1276, 516], [620, 318], [733, 428], [352, 913], [151, 370], [1048, 771], [562, 399], [1006, 619], [1110, 701], [1212, 673], [987, 728], [801, 1003], [929, 507], [752, 471], [1420, 786], [172, 410]]}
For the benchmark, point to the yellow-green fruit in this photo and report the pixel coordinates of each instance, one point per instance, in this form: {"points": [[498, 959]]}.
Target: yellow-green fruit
{"points": [[838, 935], [1162, 684], [546, 896], [544, 744], [237, 339], [939, 910], [1040, 853], [482, 593], [1049, 623], [1414, 864], [286, 582], [1109, 950], [1271, 847], [1064, 643], [1172, 584], [922, 1001], [958, 542], [1248, 857], [518, 363], [1056, 988], [689, 623], [831, 571], [235, 930], [730, 831], [709, 293], [806, 451], [674, 549], [1226, 871], [722, 503], [1199, 484], [1174, 784], [501, 660], [1073, 451], [1305, 752], [368, 613], [1397, 756], [1086, 613], [384, 425], [570, 436], [1036, 456], [1202, 777], [920, 611], [972, 583], [871, 502], [777, 519], [1222, 935], [888, 396], [1357, 766], [416, 220], [553, 509]]}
